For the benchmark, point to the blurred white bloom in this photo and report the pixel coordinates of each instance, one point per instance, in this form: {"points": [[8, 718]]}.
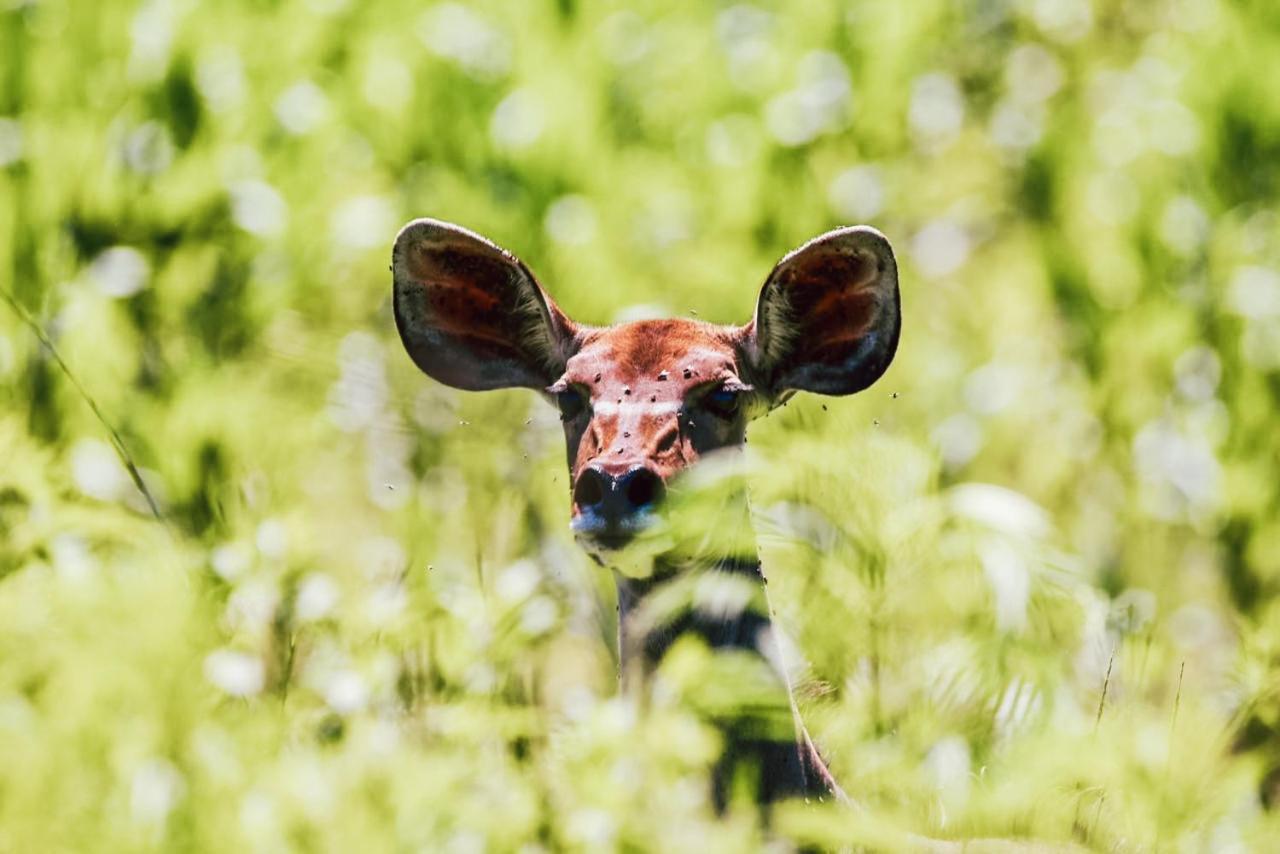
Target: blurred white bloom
{"points": [[465, 842], [453, 31], [382, 739], [1064, 20], [857, 193], [151, 35], [258, 208], [1159, 76], [539, 615], [1032, 74], [1198, 628], [213, 752], [10, 142], [148, 149], [382, 559], [71, 558], [231, 560], [120, 271], [949, 764], [220, 78], [481, 678], [744, 33], [346, 692], [666, 219], [826, 87], [571, 220], [625, 37], [317, 597], [1197, 373], [755, 64], [239, 162], [958, 439], [733, 140], [385, 603], [1001, 509], [388, 476], [742, 22], [237, 673], [1184, 226], [388, 83], [940, 248], [1016, 126], [993, 387], [1182, 468], [578, 703], [434, 409], [517, 582], [593, 828], [1010, 581], [258, 816], [363, 222], [820, 102], [97, 470], [1260, 346], [1255, 292], [518, 120], [361, 393], [1111, 198], [1118, 136], [302, 107], [272, 538], [251, 608], [156, 789], [1171, 128], [936, 113]]}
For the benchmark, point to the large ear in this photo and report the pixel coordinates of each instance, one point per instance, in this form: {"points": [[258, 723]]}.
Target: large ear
{"points": [[828, 316], [471, 314]]}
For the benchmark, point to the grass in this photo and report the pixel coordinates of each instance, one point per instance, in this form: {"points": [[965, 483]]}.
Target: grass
{"points": [[1029, 575]]}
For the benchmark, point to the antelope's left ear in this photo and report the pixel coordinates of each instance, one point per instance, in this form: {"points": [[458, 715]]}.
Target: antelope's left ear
{"points": [[828, 316]]}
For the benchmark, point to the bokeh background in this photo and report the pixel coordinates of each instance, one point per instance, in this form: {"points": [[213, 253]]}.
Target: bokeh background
{"points": [[1029, 575]]}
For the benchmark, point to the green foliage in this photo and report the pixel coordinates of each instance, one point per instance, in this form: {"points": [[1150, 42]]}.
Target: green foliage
{"points": [[1030, 576]]}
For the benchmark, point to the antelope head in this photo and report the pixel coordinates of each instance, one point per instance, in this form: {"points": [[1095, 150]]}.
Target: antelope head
{"points": [[643, 401]]}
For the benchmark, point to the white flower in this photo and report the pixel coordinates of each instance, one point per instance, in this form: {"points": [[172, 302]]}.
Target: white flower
{"points": [[237, 673]]}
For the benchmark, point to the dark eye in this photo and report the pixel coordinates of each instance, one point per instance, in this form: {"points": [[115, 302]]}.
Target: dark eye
{"points": [[571, 402], [722, 402]]}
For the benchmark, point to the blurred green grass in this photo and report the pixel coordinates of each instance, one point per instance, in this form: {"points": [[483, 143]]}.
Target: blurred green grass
{"points": [[364, 625]]}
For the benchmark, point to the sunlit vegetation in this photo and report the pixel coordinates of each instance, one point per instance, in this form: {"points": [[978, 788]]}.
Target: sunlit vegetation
{"points": [[1029, 577]]}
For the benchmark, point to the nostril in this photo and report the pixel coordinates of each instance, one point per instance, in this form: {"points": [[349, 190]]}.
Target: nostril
{"points": [[590, 488], [644, 488]]}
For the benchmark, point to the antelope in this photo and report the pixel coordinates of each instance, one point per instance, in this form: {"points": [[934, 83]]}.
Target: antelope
{"points": [[642, 402]]}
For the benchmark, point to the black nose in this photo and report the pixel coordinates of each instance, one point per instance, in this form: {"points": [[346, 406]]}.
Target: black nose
{"points": [[615, 498]]}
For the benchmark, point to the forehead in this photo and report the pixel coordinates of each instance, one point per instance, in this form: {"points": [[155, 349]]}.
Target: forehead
{"points": [[645, 348]]}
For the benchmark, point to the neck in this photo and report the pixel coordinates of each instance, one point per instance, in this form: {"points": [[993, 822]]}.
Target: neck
{"points": [[722, 602]]}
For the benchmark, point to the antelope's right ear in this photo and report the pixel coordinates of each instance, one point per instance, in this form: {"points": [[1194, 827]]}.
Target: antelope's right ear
{"points": [[471, 314], [828, 317]]}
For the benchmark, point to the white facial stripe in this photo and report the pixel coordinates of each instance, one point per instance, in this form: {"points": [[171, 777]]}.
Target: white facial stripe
{"points": [[638, 407]]}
